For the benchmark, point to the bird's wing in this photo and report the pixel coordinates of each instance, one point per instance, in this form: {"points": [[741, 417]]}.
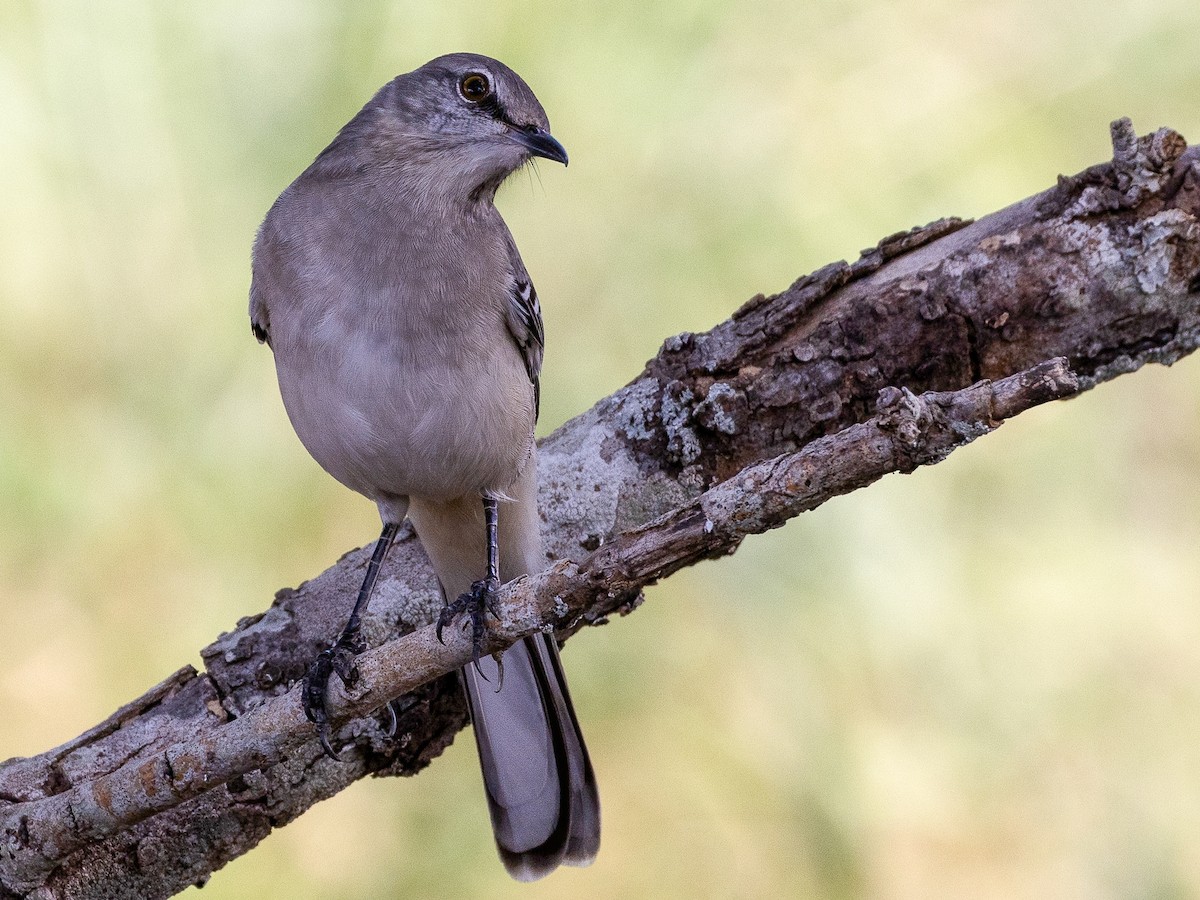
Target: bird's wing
{"points": [[260, 321], [524, 318]]}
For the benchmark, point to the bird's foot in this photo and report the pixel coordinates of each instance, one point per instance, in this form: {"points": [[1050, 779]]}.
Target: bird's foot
{"points": [[337, 659], [477, 603]]}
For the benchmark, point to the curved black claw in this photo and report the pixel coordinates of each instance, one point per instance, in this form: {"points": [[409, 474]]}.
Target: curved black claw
{"points": [[337, 659], [477, 602]]}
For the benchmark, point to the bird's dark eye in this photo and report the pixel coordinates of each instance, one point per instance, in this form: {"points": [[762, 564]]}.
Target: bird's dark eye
{"points": [[474, 87]]}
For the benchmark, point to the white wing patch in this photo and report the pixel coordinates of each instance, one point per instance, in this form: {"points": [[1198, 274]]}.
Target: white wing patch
{"points": [[525, 326]]}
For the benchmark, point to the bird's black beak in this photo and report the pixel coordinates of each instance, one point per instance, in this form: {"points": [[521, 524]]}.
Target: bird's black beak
{"points": [[540, 143]]}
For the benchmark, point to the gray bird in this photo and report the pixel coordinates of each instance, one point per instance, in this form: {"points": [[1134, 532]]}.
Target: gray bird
{"points": [[408, 342]]}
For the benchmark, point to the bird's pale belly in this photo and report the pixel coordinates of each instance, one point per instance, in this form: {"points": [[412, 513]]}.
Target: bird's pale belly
{"points": [[407, 432]]}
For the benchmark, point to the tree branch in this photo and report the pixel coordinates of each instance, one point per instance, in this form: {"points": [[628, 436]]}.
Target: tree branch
{"points": [[928, 341]]}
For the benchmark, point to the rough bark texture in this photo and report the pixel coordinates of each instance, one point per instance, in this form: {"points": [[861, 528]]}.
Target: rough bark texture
{"points": [[928, 341]]}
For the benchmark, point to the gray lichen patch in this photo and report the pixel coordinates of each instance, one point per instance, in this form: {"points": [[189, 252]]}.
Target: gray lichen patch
{"points": [[579, 486], [1159, 236], [634, 410], [1093, 240], [721, 409], [683, 445]]}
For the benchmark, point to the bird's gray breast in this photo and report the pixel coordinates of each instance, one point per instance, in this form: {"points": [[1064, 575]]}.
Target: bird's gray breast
{"points": [[396, 368]]}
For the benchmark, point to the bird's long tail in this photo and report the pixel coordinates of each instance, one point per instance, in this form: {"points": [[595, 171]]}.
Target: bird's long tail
{"points": [[541, 791]]}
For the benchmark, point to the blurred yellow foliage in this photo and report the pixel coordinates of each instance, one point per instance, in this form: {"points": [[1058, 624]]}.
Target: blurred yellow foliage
{"points": [[978, 681]]}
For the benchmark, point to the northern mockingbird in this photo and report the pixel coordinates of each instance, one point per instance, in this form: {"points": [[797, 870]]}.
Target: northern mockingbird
{"points": [[408, 341]]}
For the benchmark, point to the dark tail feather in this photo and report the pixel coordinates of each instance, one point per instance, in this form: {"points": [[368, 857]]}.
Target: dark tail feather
{"points": [[541, 790], [584, 839]]}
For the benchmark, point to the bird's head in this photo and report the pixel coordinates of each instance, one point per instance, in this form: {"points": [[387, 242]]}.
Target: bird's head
{"points": [[461, 119]]}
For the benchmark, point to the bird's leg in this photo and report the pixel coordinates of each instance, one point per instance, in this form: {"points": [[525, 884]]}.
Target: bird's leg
{"points": [[338, 657], [481, 598]]}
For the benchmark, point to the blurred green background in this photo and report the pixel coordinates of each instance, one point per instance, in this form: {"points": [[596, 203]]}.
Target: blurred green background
{"points": [[978, 681]]}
